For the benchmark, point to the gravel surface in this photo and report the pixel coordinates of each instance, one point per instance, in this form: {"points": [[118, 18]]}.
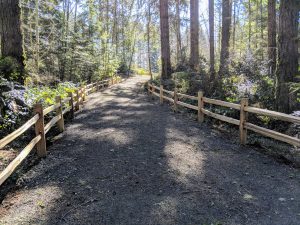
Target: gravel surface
{"points": [[127, 160]]}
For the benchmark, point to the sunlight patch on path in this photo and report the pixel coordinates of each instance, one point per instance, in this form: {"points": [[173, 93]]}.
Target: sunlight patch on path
{"points": [[36, 205]]}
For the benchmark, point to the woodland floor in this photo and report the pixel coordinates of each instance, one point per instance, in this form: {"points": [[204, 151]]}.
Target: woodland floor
{"points": [[127, 160]]}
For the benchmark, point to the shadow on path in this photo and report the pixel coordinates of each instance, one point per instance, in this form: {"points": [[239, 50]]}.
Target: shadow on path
{"points": [[127, 160]]}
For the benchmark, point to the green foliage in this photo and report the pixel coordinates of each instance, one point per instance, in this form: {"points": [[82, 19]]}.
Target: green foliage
{"points": [[295, 88], [46, 95], [230, 88], [140, 71], [265, 91], [107, 70], [10, 68], [182, 80]]}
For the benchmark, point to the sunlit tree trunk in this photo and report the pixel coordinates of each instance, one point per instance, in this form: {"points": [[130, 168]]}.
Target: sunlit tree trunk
{"points": [[165, 40], [178, 33], [212, 40], [287, 54], [272, 36], [226, 26], [249, 25], [234, 24], [194, 17], [148, 40]]}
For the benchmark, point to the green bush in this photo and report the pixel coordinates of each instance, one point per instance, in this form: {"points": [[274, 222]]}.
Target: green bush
{"points": [[10, 68], [140, 71], [46, 95], [295, 88], [182, 80]]}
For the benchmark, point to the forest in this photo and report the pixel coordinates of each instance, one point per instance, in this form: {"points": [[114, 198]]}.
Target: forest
{"points": [[227, 48], [149, 112]]}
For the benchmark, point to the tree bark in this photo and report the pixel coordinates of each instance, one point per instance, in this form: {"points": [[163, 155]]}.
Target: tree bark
{"points": [[165, 40], [194, 17], [287, 68], [211, 40], [234, 23], [11, 32], [148, 39], [272, 36], [178, 33], [226, 26], [249, 25]]}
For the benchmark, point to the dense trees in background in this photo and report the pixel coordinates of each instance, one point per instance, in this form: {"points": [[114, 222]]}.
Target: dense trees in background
{"points": [[253, 44], [71, 39]]}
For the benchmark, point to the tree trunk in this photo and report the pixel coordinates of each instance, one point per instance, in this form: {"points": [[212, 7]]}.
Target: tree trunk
{"points": [[234, 24], [11, 33], [194, 17], [226, 25], [148, 39], [272, 36], [211, 40], [287, 54], [165, 40], [249, 25], [37, 36], [178, 33]]}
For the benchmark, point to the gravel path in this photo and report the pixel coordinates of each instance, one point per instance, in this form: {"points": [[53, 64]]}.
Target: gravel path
{"points": [[127, 160]]}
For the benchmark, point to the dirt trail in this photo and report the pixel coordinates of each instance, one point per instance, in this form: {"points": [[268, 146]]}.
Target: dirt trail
{"points": [[127, 160]]}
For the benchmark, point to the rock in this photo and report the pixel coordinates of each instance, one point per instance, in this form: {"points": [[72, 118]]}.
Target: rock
{"points": [[19, 87], [2, 104], [19, 97], [5, 85]]}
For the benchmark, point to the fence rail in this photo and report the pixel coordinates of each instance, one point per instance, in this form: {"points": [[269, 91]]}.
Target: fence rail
{"points": [[61, 107], [243, 107]]}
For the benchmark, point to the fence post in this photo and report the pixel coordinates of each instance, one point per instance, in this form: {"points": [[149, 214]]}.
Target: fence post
{"points": [[175, 100], [200, 107], [161, 93], [98, 85], [81, 96], [149, 90], [77, 100], [40, 130], [60, 122], [243, 120], [84, 93], [71, 102]]}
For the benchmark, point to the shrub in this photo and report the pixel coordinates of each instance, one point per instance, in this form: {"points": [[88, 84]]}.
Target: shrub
{"points": [[46, 95], [10, 68]]}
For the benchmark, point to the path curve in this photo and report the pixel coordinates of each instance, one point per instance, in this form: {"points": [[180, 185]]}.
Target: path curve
{"points": [[127, 160]]}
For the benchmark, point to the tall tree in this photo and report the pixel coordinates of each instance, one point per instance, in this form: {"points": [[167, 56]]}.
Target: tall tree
{"points": [[148, 39], [249, 24], [178, 33], [211, 39], [165, 40], [226, 26], [194, 18], [10, 28], [272, 36], [287, 54]]}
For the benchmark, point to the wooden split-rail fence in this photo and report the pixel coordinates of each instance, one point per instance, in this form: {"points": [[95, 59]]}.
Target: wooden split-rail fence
{"points": [[70, 104], [177, 99]]}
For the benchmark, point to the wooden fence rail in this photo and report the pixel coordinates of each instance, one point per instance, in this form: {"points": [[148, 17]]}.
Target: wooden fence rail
{"points": [[244, 125], [61, 107]]}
